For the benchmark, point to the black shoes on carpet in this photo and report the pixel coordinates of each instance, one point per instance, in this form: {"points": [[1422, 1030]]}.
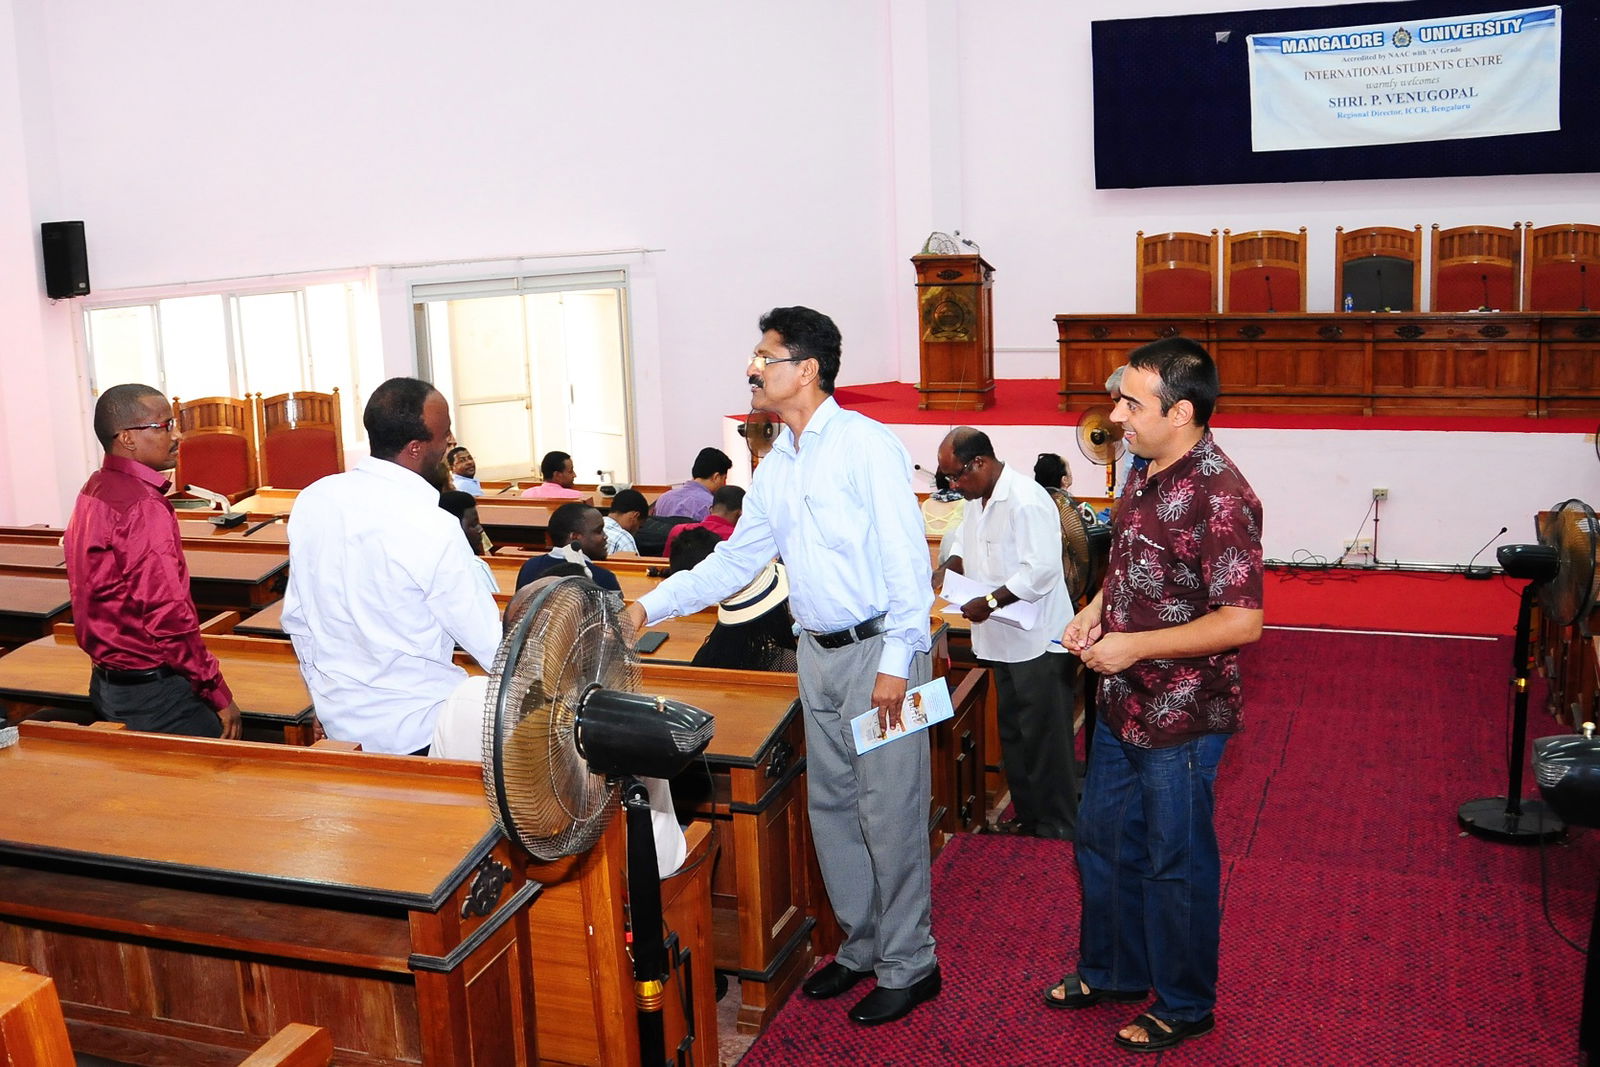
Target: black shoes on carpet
{"points": [[882, 1005]]}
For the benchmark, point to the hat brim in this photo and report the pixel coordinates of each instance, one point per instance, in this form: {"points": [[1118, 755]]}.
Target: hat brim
{"points": [[770, 588]]}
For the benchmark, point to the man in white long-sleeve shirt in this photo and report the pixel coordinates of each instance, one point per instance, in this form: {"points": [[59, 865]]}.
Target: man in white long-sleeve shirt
{"points": [[382, 586], [834, 500], [1009, 542]]}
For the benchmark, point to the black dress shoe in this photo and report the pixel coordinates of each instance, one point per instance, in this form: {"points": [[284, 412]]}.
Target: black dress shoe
{"points": [[886, 1005], [831, 979]]}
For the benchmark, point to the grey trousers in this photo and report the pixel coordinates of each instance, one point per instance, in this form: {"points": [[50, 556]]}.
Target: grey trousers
{"points": [[869, 815], [1035, 706], [160, 706]]}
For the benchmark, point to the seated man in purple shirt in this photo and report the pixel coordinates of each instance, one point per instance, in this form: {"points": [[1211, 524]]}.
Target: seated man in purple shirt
{"points": [[693, 498]]}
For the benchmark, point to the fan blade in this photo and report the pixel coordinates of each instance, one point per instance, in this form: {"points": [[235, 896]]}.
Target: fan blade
{"points": [[1099, 439]]}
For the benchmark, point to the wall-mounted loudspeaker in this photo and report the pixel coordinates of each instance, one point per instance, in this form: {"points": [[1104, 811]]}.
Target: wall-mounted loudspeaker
{"points": [[66, 261]]}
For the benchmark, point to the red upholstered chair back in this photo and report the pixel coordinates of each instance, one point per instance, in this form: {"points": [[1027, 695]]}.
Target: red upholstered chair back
{"points": [[1177, 273], [1476, 267], [301, 439], [1562, 264], [1379, 268], [218, 451], [1264, 270]]}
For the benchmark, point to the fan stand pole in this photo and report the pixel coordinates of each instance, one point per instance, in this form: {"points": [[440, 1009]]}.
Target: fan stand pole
{"points": [[1511, 818], [644, 909], [1111, 479]]}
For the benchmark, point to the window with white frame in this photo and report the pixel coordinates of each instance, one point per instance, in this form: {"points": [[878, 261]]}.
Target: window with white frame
{"points": [[247, 339]]}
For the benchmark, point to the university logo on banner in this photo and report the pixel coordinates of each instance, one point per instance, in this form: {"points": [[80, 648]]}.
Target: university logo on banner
{"points": [[1398, 82]]}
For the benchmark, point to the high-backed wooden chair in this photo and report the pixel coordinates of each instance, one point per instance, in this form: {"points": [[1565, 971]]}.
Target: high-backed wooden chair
{"points": [[1379, 268], [1177, 273], [1263, 270], [1557, 265], [1476, 268], [218, 451], [33, 1030], [301, 439]]}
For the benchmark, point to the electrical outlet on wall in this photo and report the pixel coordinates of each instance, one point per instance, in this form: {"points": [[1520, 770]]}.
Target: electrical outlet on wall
{"points": [[1380, 493], [1358, 550]]}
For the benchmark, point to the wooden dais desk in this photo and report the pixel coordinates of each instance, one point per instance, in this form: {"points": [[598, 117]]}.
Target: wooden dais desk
{"points": [[30, 605], [201, 894]]}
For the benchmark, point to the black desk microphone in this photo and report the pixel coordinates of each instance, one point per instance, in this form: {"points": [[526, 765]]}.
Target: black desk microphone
{"points": [[1485, 279], [1270, 307], [1583, 287], [1483, 573]]}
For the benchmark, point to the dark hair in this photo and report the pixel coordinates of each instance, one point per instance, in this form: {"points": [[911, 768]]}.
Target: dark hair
{"points": [[628, 501], [710, 461], [456, 502], [393, 417], [117, 407], [565, 569], [808, 334], [553, 463], [566, 519], [1049, 469], [968, 444], [728, 498], [450, 456], [690, 547], [1187, 373]]}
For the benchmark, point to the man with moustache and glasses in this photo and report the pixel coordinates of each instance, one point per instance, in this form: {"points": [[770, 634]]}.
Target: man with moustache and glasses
{"points": [[834, 500], [134, 614]]}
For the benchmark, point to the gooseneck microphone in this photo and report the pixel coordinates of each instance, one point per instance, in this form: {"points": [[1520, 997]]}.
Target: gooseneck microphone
{"points": [[1270, 306], [1381, 302], [1484, 278], [1583, 287], [1482, 572]]}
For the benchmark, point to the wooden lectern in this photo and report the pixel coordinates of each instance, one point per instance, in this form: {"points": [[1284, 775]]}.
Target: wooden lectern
{"points": [[955, 313]]}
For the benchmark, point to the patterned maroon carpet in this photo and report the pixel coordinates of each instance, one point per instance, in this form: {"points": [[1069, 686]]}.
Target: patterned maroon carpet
{"points": [[1359, 925]]}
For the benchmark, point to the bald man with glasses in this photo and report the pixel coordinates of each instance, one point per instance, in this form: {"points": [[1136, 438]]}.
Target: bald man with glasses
{"points": [[132, 610]]}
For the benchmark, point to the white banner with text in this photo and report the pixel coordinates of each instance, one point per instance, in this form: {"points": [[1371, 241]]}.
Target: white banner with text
{"points": [[1391, 83]]}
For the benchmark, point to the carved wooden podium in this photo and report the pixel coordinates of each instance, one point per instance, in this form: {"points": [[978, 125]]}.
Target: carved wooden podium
{"points": [[955, 313]]}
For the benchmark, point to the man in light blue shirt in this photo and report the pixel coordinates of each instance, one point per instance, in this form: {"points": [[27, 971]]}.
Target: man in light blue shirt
{"points": [[463, 471], [834, 500]]}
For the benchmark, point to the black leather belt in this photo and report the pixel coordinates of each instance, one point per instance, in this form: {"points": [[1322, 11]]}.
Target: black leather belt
{"points": [[111, 677], [851, 634]]}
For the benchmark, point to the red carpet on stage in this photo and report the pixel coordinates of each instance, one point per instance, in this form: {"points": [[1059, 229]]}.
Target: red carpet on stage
{"points": [[1360, 926], [1415, 602]]}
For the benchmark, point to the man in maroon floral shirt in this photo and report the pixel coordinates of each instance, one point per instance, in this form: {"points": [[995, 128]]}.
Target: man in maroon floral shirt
{"points": [[1181, 595]]}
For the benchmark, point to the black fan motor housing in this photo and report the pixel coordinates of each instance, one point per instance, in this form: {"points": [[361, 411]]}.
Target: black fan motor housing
{"points": [[1567, 768], [622, 733], [1534, 563]]}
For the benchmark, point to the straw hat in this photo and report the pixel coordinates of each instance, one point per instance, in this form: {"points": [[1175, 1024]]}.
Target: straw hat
{"points": [[770, 589]]}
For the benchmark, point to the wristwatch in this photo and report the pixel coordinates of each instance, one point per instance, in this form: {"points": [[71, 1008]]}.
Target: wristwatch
{"points": [[994, 605]]}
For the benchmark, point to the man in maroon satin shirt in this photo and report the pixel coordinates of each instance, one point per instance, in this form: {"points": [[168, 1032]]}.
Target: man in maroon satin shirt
{"points": [[131, 604]]}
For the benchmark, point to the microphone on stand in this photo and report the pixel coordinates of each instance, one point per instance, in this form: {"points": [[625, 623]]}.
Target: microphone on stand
{"points": [[1583, 287], [1482, 573], [1381, 303], [1270, 307], [1484, 278]]}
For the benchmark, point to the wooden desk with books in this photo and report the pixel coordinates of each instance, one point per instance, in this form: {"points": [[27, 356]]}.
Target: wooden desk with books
{"points": [[53, 672]]}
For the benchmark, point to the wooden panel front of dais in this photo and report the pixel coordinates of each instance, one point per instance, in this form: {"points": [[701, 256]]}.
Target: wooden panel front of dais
{"points": [[1265, 360], [1460, 365], [1570, 375], [1092, 346]]}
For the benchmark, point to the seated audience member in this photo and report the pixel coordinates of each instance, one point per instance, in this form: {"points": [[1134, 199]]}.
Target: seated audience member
{"points": [[754, 630], [651, 536], [693, 498], [465, 508], [629, 509], [556, 470], [1052, 472], [458, 734], [726, 505], [579, 536], [463, 471]]}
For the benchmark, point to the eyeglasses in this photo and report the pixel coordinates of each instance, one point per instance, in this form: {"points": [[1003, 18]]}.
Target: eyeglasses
{"points": [[761, 363], [168, 426], [960, 474]]}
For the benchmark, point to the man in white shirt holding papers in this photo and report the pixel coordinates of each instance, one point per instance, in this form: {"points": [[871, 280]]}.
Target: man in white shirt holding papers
{"points": [[382, 586], [1008, 548], [834, 500]]}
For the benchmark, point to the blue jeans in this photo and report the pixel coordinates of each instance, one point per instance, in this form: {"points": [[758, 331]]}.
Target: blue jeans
{"points": [[1151, 874]]}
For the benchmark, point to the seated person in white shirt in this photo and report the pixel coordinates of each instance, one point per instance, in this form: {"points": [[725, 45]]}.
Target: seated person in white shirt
{"points": [[556, 470], [463, 471], [382, 583], [628, 511], [458, 734]]}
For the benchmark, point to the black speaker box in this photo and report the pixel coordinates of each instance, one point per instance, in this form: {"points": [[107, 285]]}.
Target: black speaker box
{"points": [[66, 260]]}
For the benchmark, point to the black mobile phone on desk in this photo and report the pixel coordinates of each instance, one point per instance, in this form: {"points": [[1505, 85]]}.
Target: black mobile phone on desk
{"points": [[650, 641]]}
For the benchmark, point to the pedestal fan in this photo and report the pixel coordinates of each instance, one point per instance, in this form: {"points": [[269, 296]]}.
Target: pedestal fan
{"points": [[1560, 572], [1100, 441], [564, 732]]}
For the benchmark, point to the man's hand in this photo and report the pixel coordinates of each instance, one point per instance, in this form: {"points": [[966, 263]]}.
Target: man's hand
{"points": [[633, 620], [889, 697], [232, 725], [976, 610], [1084, 629], [317, 732], [1112, 653]]}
